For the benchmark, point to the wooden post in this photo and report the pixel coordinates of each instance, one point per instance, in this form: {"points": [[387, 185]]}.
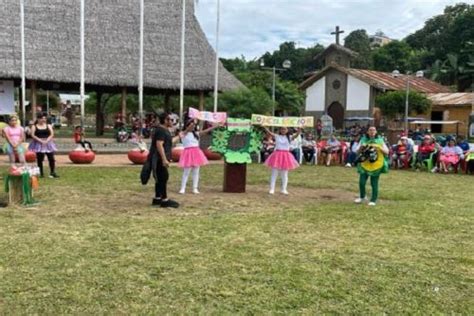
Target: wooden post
{"points": [[99, 115], [33, 99], [123, 104], [235, 177]]}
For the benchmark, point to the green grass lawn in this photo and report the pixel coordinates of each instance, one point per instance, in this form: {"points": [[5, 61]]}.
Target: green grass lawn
{"points": [[95, 246]]}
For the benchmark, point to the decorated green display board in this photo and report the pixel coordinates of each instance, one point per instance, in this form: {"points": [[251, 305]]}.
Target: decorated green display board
{"points": [[252, 141], [236, 157]]}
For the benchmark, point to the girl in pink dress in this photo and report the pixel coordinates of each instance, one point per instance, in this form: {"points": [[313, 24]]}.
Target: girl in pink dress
{"points": [[192, 157], [15, 135], [281, 160]]}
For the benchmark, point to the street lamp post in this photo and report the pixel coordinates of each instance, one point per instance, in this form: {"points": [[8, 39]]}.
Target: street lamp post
{"points": [[286, 65], [396, 74]]}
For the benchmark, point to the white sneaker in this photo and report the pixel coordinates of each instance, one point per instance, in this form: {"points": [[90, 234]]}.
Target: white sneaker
{"points": [[271, 192], [434, 170], [372, 204], [182, 191], [348, 165], [196, 191], [284, 192], [359, 200]]}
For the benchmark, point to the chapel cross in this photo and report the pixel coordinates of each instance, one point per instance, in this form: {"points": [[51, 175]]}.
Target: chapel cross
{"points": [[337, 32]]}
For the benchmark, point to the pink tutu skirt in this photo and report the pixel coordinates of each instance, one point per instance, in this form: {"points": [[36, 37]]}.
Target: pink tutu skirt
{"points": [[281, 160], [449, 159], [192, 157]]}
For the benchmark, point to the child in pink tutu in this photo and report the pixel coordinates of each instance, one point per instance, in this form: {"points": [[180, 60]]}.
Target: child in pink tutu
{"points": [[281, 160], [450, 155], [192, 157]]}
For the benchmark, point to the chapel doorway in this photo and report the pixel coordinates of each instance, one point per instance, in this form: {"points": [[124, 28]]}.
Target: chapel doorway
{"points": [[336, 112]]}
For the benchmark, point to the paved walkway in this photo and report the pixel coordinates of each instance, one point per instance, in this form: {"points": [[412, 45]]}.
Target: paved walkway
{"points": [[101, 160]]}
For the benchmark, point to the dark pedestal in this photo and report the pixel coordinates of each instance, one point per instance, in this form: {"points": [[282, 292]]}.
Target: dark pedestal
{"points": [[235, 177]]}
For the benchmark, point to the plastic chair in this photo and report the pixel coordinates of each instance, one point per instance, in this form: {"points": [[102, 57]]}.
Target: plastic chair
{"points": [[428, 162]]}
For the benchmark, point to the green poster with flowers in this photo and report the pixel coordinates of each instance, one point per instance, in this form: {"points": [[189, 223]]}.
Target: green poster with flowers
{"points": [[252, 141]]}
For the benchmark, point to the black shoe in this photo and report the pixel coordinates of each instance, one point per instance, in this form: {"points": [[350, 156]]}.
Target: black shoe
{"points": [[169, 203], [156, 202], [53, 176]]}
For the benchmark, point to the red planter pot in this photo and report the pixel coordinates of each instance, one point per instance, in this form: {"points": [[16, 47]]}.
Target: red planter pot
{"points": [[176, 153], [138, 157], [30, 156], [212, 155], [82, 157]]}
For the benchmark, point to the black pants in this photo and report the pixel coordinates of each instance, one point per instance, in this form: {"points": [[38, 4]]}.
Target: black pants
{"points": [[84, 143], [161, 181], [51, 161], [308, 154]]}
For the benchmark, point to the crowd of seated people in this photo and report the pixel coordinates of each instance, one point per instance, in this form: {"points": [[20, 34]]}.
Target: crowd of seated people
{"points": [[435, 154]]}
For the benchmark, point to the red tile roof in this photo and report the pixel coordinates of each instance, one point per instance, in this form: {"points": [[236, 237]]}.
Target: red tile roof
{"points": [[382, 80]]}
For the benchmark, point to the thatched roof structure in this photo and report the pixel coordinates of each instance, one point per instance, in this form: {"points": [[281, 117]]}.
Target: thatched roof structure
{"points": [[112, 45]]}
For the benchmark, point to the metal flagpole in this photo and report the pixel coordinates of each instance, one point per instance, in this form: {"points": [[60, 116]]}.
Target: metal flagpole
{"points": [[181, 87], [82, 86], [140, 67], [23, 79], [216, 78]]}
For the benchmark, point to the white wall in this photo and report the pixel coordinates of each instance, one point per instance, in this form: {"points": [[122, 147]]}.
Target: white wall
{"points": [[358, 94], [316, 95], [7, 97]]}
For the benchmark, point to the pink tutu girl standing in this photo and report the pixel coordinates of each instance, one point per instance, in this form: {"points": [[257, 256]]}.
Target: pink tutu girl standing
{"points": [[192, 157], [15, 136], [281, 160]]}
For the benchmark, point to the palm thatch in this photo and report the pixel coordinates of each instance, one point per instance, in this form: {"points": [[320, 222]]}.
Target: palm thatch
{"points": [[112, 44]]}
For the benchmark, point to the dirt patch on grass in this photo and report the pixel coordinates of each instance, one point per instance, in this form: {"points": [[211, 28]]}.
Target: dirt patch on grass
{"points": [[257, 198], [211, 200]]}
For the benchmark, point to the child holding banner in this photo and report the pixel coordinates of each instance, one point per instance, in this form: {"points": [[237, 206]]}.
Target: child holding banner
{"points": [[281, 160], [192, 157]]}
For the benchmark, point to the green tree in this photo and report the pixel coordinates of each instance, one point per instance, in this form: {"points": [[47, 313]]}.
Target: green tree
{"points": [[447, 32], [394, 55], [42, 99], [243, 103], [289, 99], [302, 60], [392, 104], [359, 42]]}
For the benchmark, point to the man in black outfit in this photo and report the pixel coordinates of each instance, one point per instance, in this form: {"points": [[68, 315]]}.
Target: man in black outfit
{"points": [[161, 151]]}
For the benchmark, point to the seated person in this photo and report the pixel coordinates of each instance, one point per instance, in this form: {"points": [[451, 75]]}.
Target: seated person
{"points": [[450, 155], [267, 148], [463, 144], [79, 139], [470, 160], [427, 147], [295, 147], [401, 152], [333, 146], [309, 147], [138, 141], [352, 152]]}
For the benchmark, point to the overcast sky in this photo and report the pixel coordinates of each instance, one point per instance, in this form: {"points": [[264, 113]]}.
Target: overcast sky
{"points": [[252, 27]]}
